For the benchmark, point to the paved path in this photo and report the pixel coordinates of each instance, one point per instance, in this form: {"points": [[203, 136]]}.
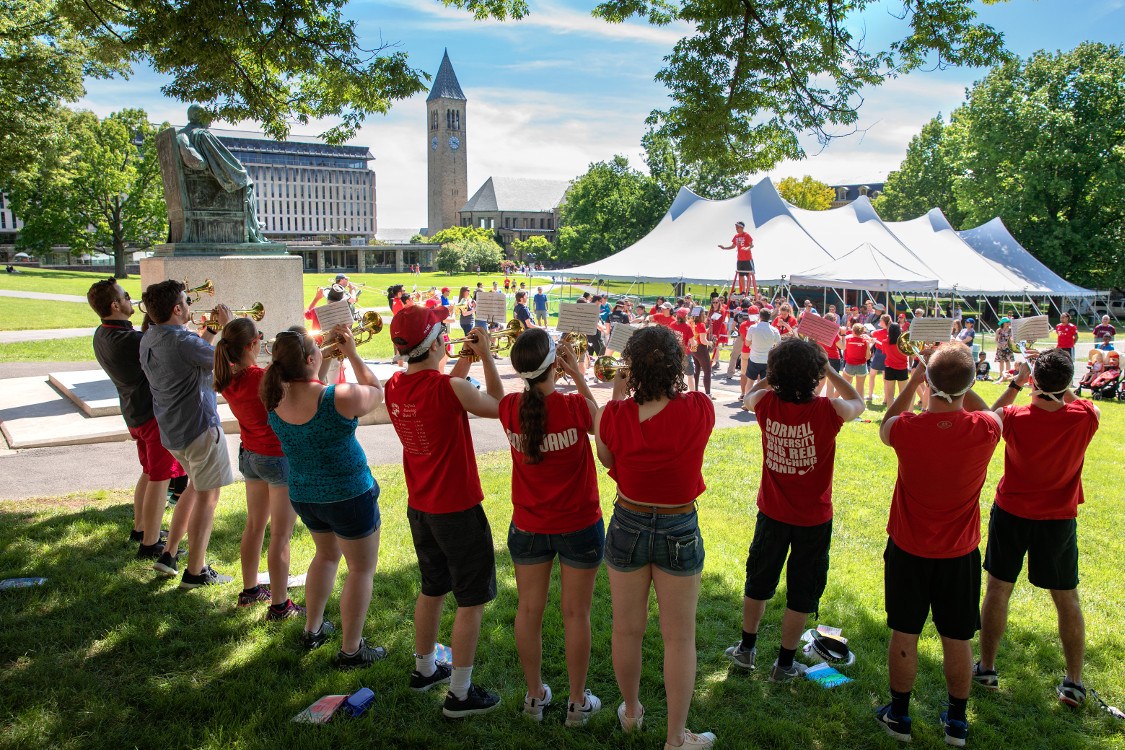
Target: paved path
{"points": [[43, 295], [12, 337]]}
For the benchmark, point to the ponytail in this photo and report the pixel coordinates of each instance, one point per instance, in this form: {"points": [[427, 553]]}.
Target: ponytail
{"points": [[528, 353], [290, 350], [237, 335]]}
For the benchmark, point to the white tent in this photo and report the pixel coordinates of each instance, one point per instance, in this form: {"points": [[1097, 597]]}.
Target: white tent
{"points": [[866, 267], [792, 243], [994, 242]]}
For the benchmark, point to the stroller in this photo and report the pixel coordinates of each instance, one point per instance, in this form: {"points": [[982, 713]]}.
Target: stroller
{"points": [[1094, 368], [1107, 385]]}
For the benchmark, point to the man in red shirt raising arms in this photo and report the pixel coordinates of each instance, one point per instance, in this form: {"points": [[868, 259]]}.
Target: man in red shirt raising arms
{"points": [[799, 432], [430, 412], [743, 244], [1035, 511], [932, 560]]}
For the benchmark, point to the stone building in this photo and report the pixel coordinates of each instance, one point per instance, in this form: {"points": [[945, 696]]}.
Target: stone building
{"points": [[846, 194], [516, 207], [9, 224], [446, 121]]}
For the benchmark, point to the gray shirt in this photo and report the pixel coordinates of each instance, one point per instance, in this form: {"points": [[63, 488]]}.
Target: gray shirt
{"points": [[178, 364]]}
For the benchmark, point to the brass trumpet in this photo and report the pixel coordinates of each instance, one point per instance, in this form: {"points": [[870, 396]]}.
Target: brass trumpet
{"points": [[501, 341], [207, 287], [606, 368], [908, 347], [369, 324], [256, 312], [578, 344]]}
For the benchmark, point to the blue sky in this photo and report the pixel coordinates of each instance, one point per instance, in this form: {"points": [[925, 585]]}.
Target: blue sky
{"points": [[552, 93]]}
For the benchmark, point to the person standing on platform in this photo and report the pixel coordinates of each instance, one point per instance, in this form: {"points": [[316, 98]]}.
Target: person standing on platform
{"points": [[743, 244]]}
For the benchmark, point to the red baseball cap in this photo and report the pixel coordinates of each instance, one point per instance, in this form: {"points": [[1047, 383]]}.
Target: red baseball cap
{"points": [[411, 326], [682, 312], [444, 289], [753, 310], [432, 302]]}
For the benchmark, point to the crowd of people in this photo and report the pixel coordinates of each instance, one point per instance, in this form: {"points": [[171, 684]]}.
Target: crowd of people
{"points": [[300, 458]]}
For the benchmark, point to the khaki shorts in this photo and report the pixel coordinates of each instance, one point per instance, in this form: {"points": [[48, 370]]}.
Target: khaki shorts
{"points": [[206, 460]]}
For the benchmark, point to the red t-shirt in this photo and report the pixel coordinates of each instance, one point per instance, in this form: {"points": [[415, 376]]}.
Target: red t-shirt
{"points": [[437, 447], [662, 319], [396, 305], [894, 357], [559, 494], [242, 397], [855, 350], [686, 333], [880, 336], [1068, 334], [700, 330], [742, 242], [742, 329], [645, 466], [798, 454], [310, 315], [785, 325], [833, 349], [1043, 456], [942, 462]]}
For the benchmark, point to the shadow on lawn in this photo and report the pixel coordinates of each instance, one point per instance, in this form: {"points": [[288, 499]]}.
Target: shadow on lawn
{"points": [[106, 654]]}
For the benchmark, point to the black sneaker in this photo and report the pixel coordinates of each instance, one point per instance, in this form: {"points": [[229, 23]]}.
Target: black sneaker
{"points": [[315, 640], [364, 657], [478, 701], [165, 565], [139, 536], [150, 551], [205, 577], [419, 683]]}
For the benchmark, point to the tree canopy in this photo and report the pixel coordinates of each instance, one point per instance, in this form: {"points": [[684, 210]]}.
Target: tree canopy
{"points": [[608, 208], [923, 180], [806, 193]]}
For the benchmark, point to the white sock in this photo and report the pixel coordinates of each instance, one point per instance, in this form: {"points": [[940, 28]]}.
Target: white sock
{"points": [[426, 665], [460, 682]]}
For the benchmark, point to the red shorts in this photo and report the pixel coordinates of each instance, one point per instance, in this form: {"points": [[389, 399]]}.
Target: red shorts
{"points": [[156, 461]]}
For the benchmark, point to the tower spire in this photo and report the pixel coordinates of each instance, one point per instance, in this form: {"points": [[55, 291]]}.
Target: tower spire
{"points": [[445, 82]]}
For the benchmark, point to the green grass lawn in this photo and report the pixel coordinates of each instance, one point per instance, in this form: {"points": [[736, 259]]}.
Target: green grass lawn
{"points": [[77, 349], [32, 315], [108, 655]]}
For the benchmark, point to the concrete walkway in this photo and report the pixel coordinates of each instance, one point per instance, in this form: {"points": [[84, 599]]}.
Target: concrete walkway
{"points": [[14, 337], [43, 296]]}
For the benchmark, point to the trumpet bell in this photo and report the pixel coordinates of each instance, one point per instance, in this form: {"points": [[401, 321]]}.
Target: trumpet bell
{"points": [[207, 287], [908, 347], [606, 367]]}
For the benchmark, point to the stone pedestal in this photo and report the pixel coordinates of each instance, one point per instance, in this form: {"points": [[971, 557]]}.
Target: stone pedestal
{"points": [[240, 281]]}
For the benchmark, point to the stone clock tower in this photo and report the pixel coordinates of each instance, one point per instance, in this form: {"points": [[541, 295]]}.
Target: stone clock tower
{"points": [[445, 143]]}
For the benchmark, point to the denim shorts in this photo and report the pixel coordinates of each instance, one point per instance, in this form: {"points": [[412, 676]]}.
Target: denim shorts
{"points": [[260, 468], [672, 543], [580, 549], [855, 370], [354, 518]]}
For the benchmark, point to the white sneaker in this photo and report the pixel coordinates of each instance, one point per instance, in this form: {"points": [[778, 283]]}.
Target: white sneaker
{"points": [[533, 707], [693, 741], [630, 723], [577, 715]]}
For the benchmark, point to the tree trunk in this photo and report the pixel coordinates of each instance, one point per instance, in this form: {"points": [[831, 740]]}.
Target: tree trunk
{"points": [[119, 258]]}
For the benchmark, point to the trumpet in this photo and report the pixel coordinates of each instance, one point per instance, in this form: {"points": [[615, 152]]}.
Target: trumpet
{"points": [[363, 331], [908, 347], [578, 344], [501, 341], [256, 311], [606, 368], [207, 287]]}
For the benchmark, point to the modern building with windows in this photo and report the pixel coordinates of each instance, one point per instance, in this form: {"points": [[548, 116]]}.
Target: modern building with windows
{"points": [[307, 189], [846, 194], [9, 224]]}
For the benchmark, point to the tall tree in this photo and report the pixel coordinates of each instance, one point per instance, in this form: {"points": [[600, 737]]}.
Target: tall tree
{"points": [[607, 209], [671, 171], [102, 189], [923, 180], [1041, 143], [806, 193]]}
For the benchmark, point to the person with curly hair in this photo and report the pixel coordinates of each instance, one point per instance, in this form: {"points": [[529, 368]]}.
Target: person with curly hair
{"points": [[653, 540], [799, 431], [555, 511]]}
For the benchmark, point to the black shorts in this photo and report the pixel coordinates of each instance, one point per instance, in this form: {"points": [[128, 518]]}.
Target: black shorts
{"points": [[893, 373], [753, 370], [836, 364], [455, 554], [807, 572], [745, 266], [1051, 548], [950, 587]]}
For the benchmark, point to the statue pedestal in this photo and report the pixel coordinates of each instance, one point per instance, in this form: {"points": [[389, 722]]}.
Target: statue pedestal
{"points": [[182, 249], [240, 280]]}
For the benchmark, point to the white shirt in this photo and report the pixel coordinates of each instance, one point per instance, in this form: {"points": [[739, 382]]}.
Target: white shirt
{"points": [[763, 337]]}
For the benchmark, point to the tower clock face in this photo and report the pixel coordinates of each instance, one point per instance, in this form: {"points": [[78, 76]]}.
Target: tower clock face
{"points": [[433, 143], [454, 142]]}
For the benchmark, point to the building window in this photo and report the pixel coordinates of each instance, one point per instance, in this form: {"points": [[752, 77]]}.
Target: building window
{"points": [[863, 190], [549, 223], [542, 224]]}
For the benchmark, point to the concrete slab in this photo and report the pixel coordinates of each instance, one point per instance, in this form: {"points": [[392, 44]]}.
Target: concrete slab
{"points": [[91, 391]]}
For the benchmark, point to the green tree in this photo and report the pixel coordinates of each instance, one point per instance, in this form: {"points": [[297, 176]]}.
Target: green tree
{"points": [[1041, 143], [806, 193], [482, 253], [607, 209], [751, 76], [103, 191], [535, 245], [451, 260], [923, 180], [671, 171], [457, 234]]}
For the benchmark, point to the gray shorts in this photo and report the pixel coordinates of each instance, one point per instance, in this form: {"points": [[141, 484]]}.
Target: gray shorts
{"points": [[856, 370], [256, 467], [206, 460]]}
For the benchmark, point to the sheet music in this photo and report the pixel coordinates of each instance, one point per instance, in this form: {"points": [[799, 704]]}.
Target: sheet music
{"points": [[619, 336], [330, 315], [1031, 329], [579, 317], [492, 306], [818, 329], [931, 330]]}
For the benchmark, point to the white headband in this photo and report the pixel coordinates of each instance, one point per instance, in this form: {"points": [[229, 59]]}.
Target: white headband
{"points": [[547, 362], [935, 391]]}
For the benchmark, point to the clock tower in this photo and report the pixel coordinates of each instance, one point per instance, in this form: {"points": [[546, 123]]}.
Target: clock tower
{"points": [[445, 143]]}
